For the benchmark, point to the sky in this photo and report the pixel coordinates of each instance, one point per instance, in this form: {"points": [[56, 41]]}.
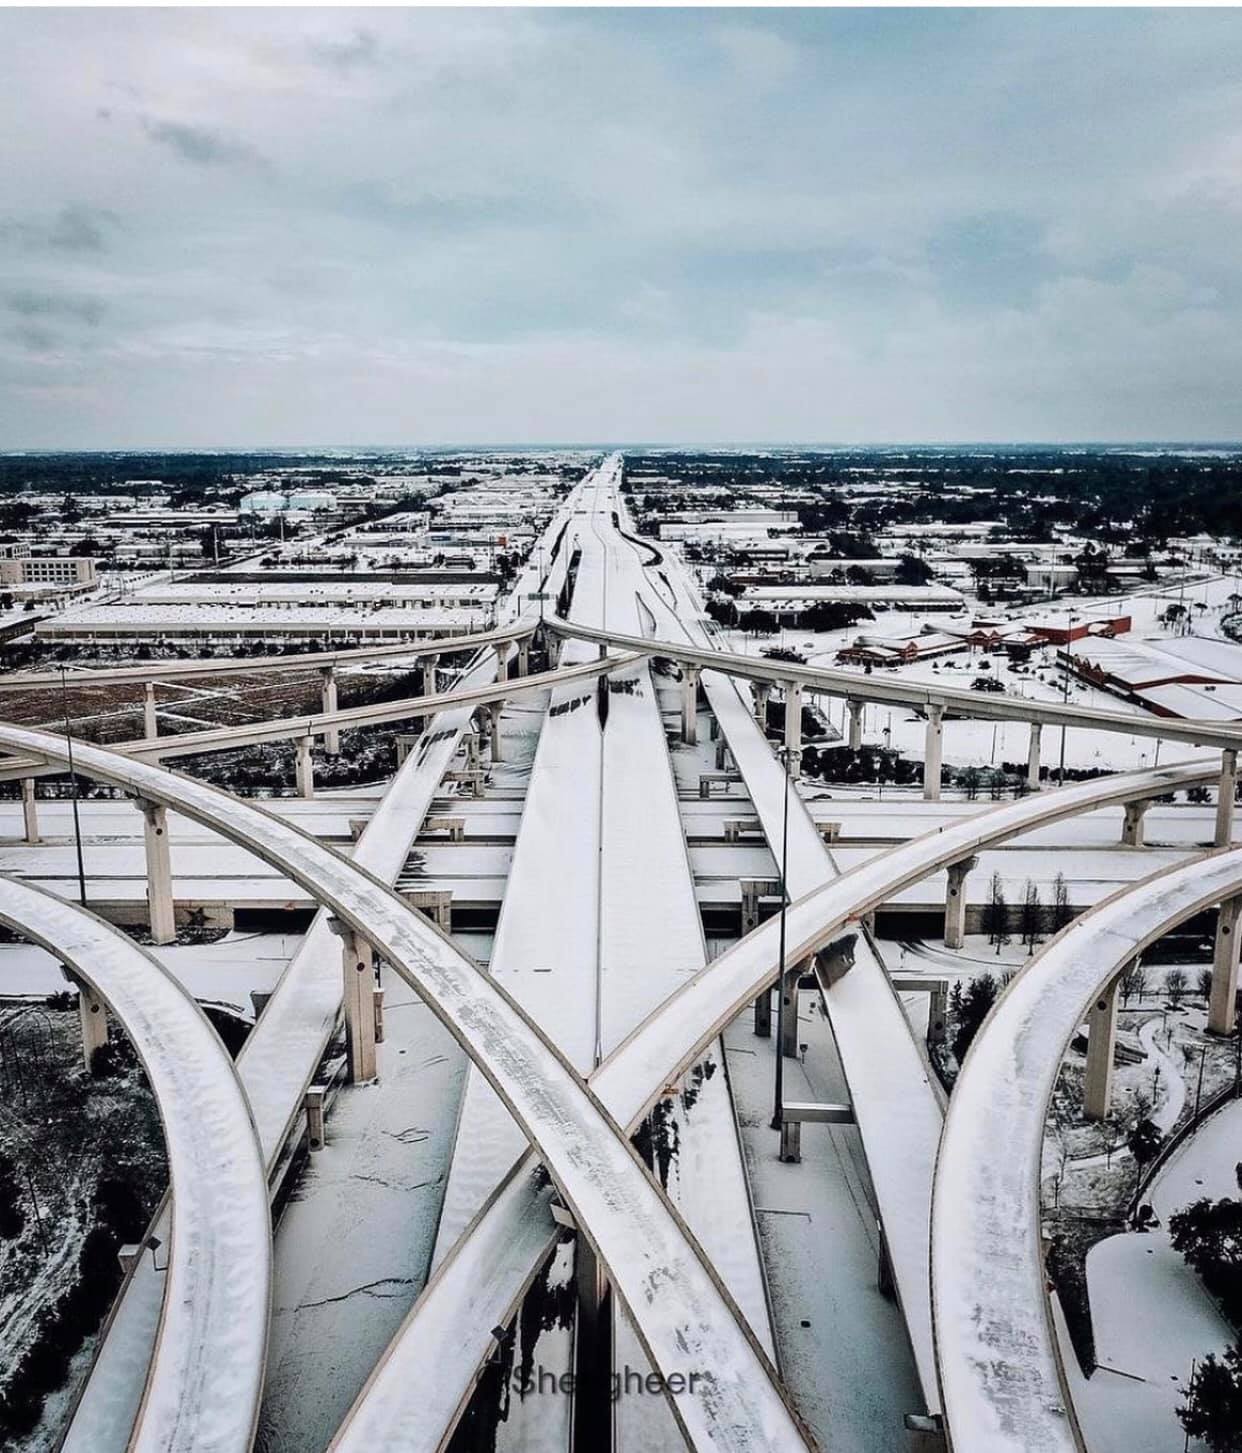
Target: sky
{"points": [[312, 227]]}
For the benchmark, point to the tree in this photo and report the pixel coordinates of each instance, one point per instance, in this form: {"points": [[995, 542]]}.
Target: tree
{"points": [[1213, 1407], [1204, 983], [1144, 1142], [1134, 982], [1061, 911], [970, 783], [757, 622], [912, 571], [1175, 986], [976, 1000], [723, 612], [1032, 920], [1209, 1235], [996, 914], [12, 1209]]}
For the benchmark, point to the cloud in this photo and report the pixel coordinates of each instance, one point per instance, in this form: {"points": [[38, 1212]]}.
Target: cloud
{"points": [[76, 228], [50, 305], [361, 48], [200, 145]]}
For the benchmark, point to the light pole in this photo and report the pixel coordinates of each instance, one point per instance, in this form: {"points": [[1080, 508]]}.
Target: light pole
{"points": [[778, 1102], [73, 789]]}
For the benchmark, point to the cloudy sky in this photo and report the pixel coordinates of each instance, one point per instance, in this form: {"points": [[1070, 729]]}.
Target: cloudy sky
{"points": [[347, 226]]}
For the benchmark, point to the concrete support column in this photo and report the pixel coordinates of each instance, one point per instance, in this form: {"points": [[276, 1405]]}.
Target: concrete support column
{"points": [[1222, 1001], [1097, 1086], [159, 871], [793, 726], [855, 710], [150, 724], [955, 903], [763, 1014], [305, 768], [523, 657], [494, 711], [332, 737], [1224, 796], [689, 703], [358, 985], [313, 1104], [30, 810], [1132, 826], [592, 1350], [932, 753], [1032, 757], [431, 666], [762, 692], [791, 1142], [502, 660], [789, 1009], [937, 1013], [94, 1020]]}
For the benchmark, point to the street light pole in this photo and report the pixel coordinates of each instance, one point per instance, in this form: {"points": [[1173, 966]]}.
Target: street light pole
{"points": [[778, 1102], [73, 789]]}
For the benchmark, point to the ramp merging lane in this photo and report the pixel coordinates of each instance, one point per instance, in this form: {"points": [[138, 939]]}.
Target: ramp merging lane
{"points": [[202, 1386], [1003, 1384]]}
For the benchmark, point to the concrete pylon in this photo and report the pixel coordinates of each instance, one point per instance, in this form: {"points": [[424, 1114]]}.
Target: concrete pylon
{"points": [[955, 903], [789, 1008], [763, 1014], [159, 871], [502, 660], [150, 722], [30, 810], [932, 753], [793, 727], [592, 1350], [1032, 756], [93, 1017], [1222, 1000], [304, 769], [855, 712], [689, 704], [1097, 1085], [762, 691], [331, 737], [494, 711], [1132, 824], [431, 665], [523, 657], [358, 986], [1225, 795]]}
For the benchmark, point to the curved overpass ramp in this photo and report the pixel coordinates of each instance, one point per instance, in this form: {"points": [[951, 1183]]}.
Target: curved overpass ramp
{"points": [[685, 1319], [206, 1374], [1000, 1373], [426, 1375]]}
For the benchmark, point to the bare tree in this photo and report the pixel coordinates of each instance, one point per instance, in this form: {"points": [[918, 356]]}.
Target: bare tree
{"points": [[1175, 986], [1133, 983], [1061, 913], [1032, 916], [996, 914]]}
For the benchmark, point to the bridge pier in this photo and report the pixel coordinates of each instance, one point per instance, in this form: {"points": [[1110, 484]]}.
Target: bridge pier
{"points": [[762, 691], [1097, 1086], [304, 769], [793, 727], [937, 991], [592, 1350], [1222, 1000], [523, 657], [30, 810], [159, 871], [502, 660], [331, 737], [752, 889], [955, 903], [689, 704], [854, 710], [494, 712], [1032, 757], [1132, 824], [93, 1017], [763, 1014], [1225, 795], [430, 675], [150, 724], [932, 753], [358, 985], [789, 1007]]}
